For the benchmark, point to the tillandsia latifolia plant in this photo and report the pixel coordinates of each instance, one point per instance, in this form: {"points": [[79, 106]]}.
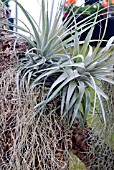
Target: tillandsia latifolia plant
{"points": [[61, 70], [65, 76]]}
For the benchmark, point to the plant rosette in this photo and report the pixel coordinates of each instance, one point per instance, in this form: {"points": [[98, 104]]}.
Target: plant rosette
{"points": [[70, 74]]}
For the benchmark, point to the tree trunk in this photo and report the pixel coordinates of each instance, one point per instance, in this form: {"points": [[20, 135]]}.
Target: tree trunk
{"points": [[91, 149]]}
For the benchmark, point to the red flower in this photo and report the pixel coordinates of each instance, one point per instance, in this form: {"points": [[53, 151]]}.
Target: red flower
{"points": [[69, 2], [105, 3]]}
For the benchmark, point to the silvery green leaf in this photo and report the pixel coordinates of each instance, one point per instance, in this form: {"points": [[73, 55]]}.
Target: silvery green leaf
{"points": [[60, 79], [78, 101], [63, 100], [89, 56], [102, 108], [87, 105], [52, 95], [71, 89]]}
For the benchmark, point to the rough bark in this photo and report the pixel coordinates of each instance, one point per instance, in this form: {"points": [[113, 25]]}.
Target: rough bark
{"points": [[7, 39], [91, 149], [7, 53]]}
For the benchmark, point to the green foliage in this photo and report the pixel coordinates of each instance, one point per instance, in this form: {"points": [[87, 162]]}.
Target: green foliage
{"points": [[70, 75]]}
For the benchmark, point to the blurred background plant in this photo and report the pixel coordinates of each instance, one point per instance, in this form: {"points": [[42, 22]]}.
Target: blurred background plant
{"points": [[85, 9], [106, 3], [111, 1]]}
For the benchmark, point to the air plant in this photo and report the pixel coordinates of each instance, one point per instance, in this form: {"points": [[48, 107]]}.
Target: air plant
{"points": [[65, 73]]}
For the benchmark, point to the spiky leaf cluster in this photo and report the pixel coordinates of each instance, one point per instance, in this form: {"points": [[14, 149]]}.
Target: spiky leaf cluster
{"points": [[59, 64]]}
